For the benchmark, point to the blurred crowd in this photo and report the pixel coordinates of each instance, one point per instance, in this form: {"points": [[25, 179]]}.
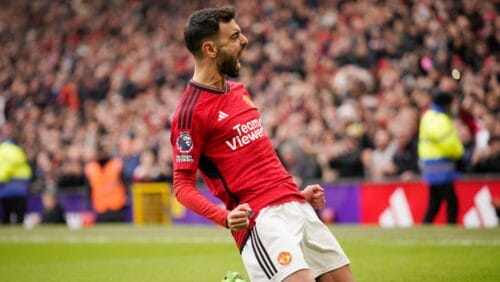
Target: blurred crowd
{"points": [[340, 84]]}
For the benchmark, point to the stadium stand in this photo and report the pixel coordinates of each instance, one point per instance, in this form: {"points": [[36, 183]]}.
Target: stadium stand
{"points": [[326, 75]]}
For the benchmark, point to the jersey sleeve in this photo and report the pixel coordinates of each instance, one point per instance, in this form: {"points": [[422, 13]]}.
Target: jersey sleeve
{"points": [[186, 193], [187, 144]]}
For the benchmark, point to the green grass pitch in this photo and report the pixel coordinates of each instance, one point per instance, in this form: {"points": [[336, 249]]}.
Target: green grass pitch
{"points": [[197, 253]]}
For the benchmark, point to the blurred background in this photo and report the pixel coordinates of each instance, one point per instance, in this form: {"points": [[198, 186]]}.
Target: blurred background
{"points": [[340, 85]]}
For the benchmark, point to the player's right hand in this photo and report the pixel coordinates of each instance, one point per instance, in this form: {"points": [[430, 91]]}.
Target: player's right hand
{"points": [[315, 195], [238, 218]]}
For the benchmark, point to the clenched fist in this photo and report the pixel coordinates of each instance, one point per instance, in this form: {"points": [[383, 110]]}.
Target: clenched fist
{"points": [[238, 218], [315, 195]]}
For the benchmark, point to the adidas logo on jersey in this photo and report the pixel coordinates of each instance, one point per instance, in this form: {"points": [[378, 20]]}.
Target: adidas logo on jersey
{"points": [[222, 115]]}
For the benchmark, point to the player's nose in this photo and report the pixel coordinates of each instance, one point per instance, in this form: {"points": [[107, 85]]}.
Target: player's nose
{"points": [[243, 41]]}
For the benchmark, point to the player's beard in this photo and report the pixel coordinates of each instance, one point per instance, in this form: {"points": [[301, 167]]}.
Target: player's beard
{"points": [[228, 64]]}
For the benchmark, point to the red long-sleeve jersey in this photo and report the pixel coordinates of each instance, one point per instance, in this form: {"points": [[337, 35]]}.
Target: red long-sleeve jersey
{"points": [[220, 133]]}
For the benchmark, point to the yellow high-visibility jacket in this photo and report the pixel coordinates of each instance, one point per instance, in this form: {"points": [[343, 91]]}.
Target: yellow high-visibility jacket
{"points": [[438, 146], [15, 172], [13, 164]]}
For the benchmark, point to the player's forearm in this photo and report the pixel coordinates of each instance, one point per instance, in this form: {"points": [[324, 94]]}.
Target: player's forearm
{"points": [[186, 193]]}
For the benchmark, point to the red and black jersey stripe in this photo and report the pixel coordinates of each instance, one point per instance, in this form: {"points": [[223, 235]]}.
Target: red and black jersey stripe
{"points": [[186, 112]]}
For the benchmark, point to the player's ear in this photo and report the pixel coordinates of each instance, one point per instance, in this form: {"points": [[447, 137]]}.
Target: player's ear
{"points": [[208, 49]]}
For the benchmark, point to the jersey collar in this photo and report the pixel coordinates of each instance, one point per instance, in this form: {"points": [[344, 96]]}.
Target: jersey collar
{"points": [[210, 89]]}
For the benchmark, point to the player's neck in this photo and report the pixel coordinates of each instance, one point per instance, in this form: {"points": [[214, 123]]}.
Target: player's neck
{"points": [[208, 75]]}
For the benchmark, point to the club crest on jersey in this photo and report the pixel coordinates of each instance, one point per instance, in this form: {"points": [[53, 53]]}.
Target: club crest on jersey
{"points": [[184, 143]]}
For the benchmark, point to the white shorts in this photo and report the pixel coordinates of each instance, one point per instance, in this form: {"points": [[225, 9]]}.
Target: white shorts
{"points": [[287, 238]]}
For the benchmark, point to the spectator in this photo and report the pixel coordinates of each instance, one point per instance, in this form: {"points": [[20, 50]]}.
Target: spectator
{"points": [[67, 82], [129, 149], [148, 169], [406, 158], [165, 163], [490, 162], [378, 162], [465, 165], [302, 167], [52, 211], [348, 161], [71, 176]]}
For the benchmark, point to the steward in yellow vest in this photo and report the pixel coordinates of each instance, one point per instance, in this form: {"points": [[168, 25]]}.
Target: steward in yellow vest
{"points": [[15, 175], [438, 149], [439, 146]]}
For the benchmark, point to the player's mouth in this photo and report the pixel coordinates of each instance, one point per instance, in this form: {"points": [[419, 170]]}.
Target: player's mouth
{"points": [[238, 57]]}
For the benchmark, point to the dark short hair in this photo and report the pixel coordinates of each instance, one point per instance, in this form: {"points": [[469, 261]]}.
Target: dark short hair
{"points": [[442, 99], [203, 24]]}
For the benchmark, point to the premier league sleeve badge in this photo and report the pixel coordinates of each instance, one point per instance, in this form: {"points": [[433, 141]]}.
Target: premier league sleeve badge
{"points": [[184, 143]]}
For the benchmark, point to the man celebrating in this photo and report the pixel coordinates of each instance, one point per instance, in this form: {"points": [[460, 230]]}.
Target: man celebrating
{"points": [[217, 129]]}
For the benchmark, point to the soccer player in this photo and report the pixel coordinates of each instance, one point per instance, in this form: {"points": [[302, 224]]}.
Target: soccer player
{"points": [[216, 129]]}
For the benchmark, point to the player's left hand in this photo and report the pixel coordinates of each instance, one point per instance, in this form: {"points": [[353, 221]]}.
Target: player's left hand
{"points": [[315, 195]]}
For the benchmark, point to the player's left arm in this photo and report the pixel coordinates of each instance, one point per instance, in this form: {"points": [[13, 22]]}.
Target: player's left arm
{"points": [[315, 195]]}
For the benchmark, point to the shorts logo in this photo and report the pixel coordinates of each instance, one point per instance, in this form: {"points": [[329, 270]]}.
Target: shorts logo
{"points": [[284, 258], [184, 143]]}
